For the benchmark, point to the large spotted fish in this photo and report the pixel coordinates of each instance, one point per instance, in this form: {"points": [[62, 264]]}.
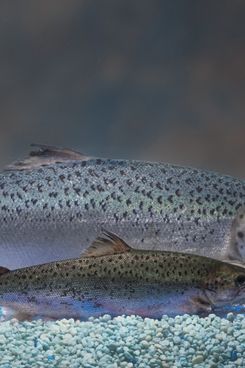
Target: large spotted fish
{"points": [[55, 203], [113, 278]]}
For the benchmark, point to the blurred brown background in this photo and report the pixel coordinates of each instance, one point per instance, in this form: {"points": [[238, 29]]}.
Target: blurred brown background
{"points": [[162, 80]]}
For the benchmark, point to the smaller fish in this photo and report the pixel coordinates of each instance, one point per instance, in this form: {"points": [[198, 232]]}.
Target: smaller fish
{"points": [[113, 278]]}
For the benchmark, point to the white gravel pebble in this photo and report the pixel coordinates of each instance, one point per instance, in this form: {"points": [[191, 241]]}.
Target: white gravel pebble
{"points": [[125, 342]]}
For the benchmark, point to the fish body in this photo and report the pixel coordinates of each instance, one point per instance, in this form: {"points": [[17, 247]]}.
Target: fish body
{"points": [[54, 204], [116, 279]]}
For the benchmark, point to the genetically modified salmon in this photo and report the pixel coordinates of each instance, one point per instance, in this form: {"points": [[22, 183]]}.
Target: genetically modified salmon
{"points": [[55, 203], [113, 278]]}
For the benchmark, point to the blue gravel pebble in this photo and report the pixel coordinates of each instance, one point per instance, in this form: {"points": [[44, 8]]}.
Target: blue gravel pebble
{"points": [[125, 342], [233, 355]]}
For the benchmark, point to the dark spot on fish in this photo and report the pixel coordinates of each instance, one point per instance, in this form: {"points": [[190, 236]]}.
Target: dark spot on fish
{"points": [[85, 194], [240, 234], [170, 181], [170, 198], [137, 189], [149, 194], [76, 190], [128, 202], [113, 195], [196, 220], [133, 168], [199, 189], [53, 194], [62, 177], [19, 195], [48, 179], [100, 188], [163, 171], [78, 174], [113, 181], [92, 173], [188, 181]]}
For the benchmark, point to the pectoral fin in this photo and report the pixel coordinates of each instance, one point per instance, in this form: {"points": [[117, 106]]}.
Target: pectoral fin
{"points": [[201, 305]]}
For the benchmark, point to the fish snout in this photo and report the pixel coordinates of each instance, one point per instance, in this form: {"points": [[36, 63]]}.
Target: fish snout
{"points": [[233, 293]]}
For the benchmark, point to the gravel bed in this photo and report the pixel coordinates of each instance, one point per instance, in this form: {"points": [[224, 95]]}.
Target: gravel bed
{"points": [[125, 342]]}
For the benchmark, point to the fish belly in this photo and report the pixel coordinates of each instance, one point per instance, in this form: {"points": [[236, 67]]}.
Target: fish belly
{"points": [[151, 301], [30, 245]]}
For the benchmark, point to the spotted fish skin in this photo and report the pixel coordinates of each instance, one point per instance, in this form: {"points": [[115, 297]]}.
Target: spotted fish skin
{"points": [[146, 283], [53, 212]]}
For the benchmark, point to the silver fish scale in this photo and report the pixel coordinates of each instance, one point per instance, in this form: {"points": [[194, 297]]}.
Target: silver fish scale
{"points": [[55, 212]]}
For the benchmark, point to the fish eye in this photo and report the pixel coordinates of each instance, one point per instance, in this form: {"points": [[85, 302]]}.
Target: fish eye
{"points": [[240, 280]]}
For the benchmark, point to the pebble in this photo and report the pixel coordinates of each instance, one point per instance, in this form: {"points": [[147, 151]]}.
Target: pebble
{"points": [[197, 360], [68, 339], [125, 342]]}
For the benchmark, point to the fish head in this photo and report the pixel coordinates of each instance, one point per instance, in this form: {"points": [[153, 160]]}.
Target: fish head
{"points": [[225, 285], [236, 249]]}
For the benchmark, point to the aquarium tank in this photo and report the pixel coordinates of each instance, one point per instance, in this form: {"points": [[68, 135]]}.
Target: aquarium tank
{"points": [[122, 184]]}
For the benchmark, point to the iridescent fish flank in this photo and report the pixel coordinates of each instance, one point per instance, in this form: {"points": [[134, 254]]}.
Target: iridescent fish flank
{"points": [[55, 203], [113, 278]]}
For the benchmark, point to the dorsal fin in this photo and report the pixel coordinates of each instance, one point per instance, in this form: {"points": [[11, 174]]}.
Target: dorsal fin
{"points": [[44, 155], [107, 244], [3, 270]]}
